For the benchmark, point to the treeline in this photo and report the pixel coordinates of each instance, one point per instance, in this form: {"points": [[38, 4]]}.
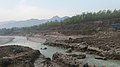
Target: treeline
{"points": [[93, 16], [86, 17], [78, 22]]}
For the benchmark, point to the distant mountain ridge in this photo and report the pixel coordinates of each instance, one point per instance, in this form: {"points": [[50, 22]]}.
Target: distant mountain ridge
{"points": [[29, 22], [57, 18]]}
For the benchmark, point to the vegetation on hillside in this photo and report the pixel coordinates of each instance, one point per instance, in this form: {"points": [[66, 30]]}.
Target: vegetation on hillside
{"points": [[84, 23]]}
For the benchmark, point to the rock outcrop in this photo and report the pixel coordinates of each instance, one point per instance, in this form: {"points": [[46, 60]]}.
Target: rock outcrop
{"points": [[99, 57], [68, 61], [112, 54], [78, 56], [103, 45], [69, 50], [17, 56]]}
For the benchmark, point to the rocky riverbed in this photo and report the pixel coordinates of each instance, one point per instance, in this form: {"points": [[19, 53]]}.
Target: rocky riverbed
{"points": [[107, 47], [102, 44], [21, 56], [61, 60], [84, 47]]}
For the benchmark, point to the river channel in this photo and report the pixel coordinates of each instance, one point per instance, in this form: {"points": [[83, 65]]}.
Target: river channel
{"points": [[20, 40]]}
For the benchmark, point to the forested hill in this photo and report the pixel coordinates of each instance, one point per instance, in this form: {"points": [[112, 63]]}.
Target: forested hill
{"points": [[85, 23]]}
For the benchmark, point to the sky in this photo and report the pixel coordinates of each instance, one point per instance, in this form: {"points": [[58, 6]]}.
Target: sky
{"points": [[44, 9]]}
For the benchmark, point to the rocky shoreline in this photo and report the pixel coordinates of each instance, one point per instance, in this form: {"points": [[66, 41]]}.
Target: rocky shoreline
{"points": [[84, 45], [54, 62], [21, 56], [103, 46], [69, 61], [61, 60]]}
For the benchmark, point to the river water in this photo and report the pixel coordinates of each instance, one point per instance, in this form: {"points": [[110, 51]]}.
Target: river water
{"points": [[20, 40]]}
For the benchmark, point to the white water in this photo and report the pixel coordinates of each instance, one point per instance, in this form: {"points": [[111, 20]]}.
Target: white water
{"points": [[19, 40]]}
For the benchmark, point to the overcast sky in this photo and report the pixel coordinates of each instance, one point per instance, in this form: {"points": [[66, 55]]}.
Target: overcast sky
{"points": [[44, 9]]}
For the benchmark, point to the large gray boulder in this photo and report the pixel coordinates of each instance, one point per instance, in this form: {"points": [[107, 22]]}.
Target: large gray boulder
{"points": [[99, 57]]}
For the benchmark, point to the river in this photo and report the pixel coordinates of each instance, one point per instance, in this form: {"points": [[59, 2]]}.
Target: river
{"points": [[20, 40]]}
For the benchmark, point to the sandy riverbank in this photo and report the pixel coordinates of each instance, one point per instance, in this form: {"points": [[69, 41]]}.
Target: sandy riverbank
{"points": [[52, 38], [36, 39], [5, 39]]}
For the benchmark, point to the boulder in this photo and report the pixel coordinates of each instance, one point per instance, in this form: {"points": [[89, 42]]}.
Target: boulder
{"points": [[45, 48], [99, 57], [86, 65], [18, 56], [69, 50], [79, 56]]}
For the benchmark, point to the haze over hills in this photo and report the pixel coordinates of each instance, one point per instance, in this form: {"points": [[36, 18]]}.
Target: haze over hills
{"points": [[29, 22]]}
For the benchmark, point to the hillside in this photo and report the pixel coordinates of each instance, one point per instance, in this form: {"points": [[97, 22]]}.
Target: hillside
{"points": [[85, 23]]}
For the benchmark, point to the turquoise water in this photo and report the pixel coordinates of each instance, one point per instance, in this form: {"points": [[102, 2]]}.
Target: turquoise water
{"points": [[19, 40]]}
